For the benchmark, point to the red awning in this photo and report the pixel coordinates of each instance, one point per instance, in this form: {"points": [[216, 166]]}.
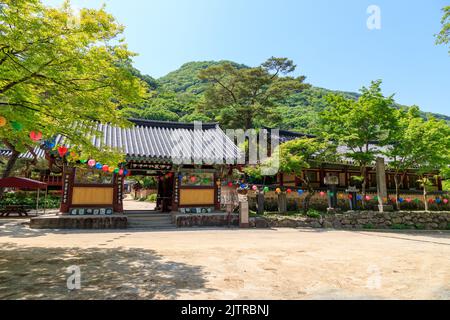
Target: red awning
{"points": [[22, 183]]}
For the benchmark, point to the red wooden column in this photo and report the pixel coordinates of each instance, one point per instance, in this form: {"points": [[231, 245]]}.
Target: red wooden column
{"points": [[118, 182], [68, 179]]}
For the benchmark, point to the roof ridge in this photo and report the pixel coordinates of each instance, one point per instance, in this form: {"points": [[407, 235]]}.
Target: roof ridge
{"points": [[171, 124]]}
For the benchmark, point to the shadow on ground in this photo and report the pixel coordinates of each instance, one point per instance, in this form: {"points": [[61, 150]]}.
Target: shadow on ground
{"points": [[41, 273]]}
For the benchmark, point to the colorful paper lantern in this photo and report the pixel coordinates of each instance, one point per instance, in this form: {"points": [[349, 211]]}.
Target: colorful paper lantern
{"points": [[331, 194], [408, 200], [322, 193], [288, 190], [445, 201], [128, 173], [125, 172], [266, 189], [17, 126], [300, 192], [254, 188], [193, 179], [110, 169], [359, 197], [62, 150], [121, 172], [430, 200], [91, 163], [83, 161], [116, 170], [50, 144], [230, 184], [243, 186], [35, 136], [438, 200], [416, 200], [375, 198], [400, 200], [351, 197], [98, 165], [278, 190], [3, 121], [105, 168], [368, 198]]}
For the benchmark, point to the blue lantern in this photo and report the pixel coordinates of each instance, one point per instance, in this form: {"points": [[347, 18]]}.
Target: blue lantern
{"points": [[243, 186], [359, 197], [125, 172], [300, 192], [98, 165], [438, 200], [400, 200]]}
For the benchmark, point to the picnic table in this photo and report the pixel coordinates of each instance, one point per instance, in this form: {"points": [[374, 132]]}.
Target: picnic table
{"points": [[18, 209]]}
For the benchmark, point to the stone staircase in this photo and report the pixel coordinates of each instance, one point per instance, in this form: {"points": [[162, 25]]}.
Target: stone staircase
{"points": [[145, 220]]}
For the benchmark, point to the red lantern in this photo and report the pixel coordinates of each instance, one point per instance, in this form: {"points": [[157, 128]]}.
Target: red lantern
{"points": [[368, 198], [35, 136], [121, 171], [430, 200], [193, 179], [288, 190], [322, 193], [105, 168], [62, 151], [230, 184], [129, 173], [350, 196]]}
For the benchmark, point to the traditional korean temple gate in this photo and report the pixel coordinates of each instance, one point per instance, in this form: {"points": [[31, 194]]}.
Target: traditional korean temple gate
{"points": [[188, 161]]}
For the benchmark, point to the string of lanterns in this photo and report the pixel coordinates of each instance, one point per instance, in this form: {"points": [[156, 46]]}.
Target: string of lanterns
{"points": [[359, 197]]}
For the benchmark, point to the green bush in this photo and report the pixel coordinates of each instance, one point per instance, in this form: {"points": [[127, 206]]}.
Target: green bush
{"points": [[29, 199], [312, 213], [152, 197]]}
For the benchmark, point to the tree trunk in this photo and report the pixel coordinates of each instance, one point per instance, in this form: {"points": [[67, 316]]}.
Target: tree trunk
{"points": [[282, 203], [308, 197], [9, 167], [363, 186], [397, 192], [425, 196]]}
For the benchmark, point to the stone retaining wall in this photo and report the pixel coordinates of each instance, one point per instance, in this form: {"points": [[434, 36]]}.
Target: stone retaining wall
{"points": [[202, 220], [78, 222], [361, 220]]}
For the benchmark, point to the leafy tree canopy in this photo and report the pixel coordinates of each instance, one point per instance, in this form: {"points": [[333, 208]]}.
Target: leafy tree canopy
{"points": [[57, 69]]}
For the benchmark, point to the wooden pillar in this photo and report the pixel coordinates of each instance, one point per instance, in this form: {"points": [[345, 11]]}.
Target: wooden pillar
{"points": [[118, 182], [321, 176], [217, 191], [439, 183], [176, 192], [67, 188]]}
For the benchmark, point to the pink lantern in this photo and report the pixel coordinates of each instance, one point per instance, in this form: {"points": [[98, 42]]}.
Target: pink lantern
{"points": [[368, 198], [445, 201], [105, 168], [35, 136], [408, 200], [193, 179], [255, 188], [121, 171], [91, 163], [322, 193], [230, 184]]}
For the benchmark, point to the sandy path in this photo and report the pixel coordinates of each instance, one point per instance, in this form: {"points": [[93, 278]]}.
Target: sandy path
{"points": [[225, 264]]}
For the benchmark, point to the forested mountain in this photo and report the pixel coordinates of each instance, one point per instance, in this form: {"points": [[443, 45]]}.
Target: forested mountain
{"points": [[179, 96]]}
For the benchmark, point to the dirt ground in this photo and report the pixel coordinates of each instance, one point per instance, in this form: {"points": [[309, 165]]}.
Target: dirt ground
{"points": [[224, 264]]}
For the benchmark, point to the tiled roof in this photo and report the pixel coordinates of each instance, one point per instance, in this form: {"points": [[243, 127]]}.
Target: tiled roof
{"points": [[162, 141]]}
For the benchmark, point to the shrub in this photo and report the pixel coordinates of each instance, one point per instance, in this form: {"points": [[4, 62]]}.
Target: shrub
{"points": [[29, 199], [313, 213], [152, 197]]}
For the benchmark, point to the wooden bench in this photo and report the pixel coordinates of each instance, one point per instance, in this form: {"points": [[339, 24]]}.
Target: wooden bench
{"points": [[17, 209]]}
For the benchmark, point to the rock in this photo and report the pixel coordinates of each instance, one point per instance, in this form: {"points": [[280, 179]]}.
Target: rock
{"points": [[261, 223], [327, 225]]}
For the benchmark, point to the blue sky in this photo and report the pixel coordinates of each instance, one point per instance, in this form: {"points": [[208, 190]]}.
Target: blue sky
{"points": [[327, 39]]}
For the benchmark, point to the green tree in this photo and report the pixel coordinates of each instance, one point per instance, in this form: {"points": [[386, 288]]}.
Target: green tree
{"points": [[443, 37], [361, 125], [59, 73], [248, 97], [296, 156]]}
